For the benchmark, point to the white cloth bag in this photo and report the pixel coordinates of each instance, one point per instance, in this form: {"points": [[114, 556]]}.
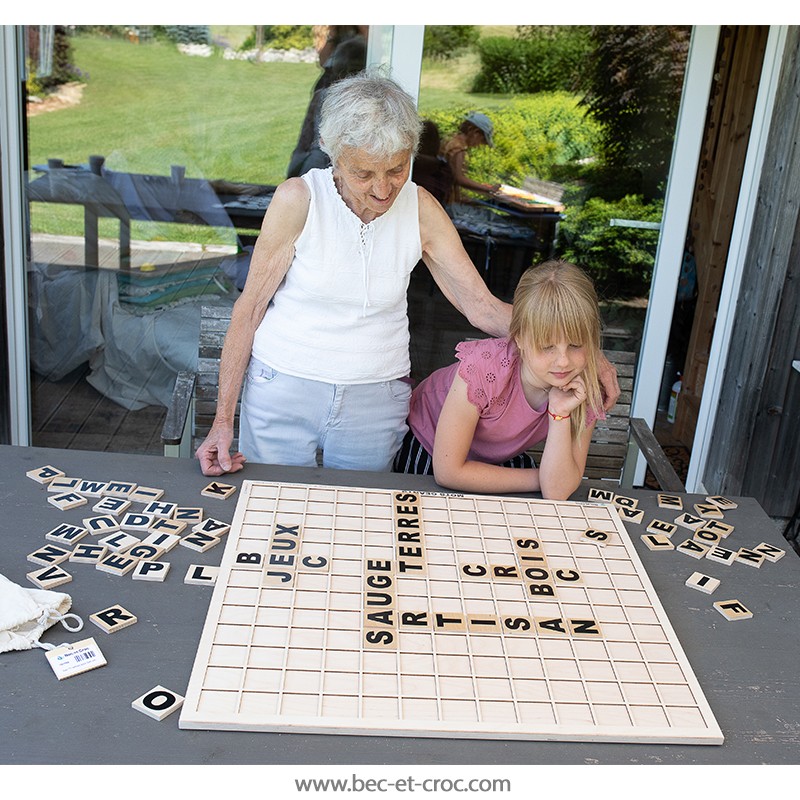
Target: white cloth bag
{"points": [[25, 614]]}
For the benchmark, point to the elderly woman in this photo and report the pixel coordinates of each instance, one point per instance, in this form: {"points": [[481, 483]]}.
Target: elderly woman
{"points": [[320, 334]]}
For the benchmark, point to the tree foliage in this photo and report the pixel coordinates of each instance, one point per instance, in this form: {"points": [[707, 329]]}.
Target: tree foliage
{"points": [[634, 78], [447, 41], [540, 59], [620, 258]]}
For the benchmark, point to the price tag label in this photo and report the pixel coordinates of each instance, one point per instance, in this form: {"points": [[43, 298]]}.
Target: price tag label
{"points": [[72, 659]]}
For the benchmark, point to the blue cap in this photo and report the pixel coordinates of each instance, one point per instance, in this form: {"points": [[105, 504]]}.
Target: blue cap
{"points": [[482, 122]]}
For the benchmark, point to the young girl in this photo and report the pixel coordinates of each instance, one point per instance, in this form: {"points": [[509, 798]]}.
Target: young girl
{"points": [[471, 423]]}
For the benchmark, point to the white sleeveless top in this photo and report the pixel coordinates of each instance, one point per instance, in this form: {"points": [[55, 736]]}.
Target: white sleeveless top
{"points": [[340, 315]]}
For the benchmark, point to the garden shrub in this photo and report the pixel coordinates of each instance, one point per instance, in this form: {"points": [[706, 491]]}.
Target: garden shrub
{"points": [[619, 259], [447, 41], [533, 136], [188, 34], [282, 37], [549, 59]]}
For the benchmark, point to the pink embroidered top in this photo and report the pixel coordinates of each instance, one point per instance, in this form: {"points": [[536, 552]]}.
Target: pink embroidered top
{"points": [[507, 425]]}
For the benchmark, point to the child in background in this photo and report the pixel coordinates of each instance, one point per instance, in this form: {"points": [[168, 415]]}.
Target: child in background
{"points": [[475, 130], [471, 423]]}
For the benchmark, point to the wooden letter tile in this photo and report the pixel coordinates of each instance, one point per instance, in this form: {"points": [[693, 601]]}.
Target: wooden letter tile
{"points": [[478, 623], [722, 528], [750, 557], [67, 500], [690, 521], [133, 521], [703, 583], [708, 511], [119, 542], [733, 610], [160, 510], [692, 548], [601, 495], [770, 552], [585, 627], [201, 575], [92, 488], [44, 474], [164, 541], [111, 505], [670, 501], [212, 526], [664, 528], [657, 541], [630, 514], [145, 494], [600, 538], [722, 502], [550, 625], [66, 534], [106, 523], [219, 490], [620, 501], [87, 553], [63, 484], [155, 571], [706, 537], [49, 577], [247, 560], [158, 703], [113, 619], [167, 526], [120, 489], [49, 554], [721, 555], [116, 564], [199, 541], [145, 552], [189, 515]]}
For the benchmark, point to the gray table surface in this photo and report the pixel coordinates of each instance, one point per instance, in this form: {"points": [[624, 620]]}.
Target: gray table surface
{"points": [[747, 669]]}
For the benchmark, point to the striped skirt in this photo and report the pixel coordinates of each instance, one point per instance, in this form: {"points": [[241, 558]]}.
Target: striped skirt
{"points": [[414, 459]]}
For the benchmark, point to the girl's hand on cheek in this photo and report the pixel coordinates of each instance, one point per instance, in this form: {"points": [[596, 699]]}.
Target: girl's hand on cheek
{"points": [[564, 400]]}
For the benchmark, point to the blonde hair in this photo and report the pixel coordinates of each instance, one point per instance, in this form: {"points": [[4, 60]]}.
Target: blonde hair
{"points": [[558, 299]]}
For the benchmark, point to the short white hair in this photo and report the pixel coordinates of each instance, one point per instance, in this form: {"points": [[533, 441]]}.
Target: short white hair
{"points": [[369, 112]]}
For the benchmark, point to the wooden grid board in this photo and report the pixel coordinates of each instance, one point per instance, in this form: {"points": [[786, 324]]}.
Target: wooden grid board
{"points": [[379, 612]]}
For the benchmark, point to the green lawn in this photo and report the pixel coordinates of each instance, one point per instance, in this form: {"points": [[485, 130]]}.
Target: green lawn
{"points": [[146, 107]]}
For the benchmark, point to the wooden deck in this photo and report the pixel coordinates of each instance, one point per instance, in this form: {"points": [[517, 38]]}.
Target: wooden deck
{"points": [[69, 412], [72, 414]]}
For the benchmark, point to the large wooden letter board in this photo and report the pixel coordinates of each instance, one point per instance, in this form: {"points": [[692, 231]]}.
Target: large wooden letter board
{"points": [[404, 613]]}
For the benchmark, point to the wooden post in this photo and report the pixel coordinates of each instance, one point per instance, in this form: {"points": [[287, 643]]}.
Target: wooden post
{"points": [[730, 114], [754, 446]]}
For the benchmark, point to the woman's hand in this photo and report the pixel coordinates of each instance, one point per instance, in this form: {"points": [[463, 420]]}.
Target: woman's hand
{"points": [[607, 375], [214, 453]]}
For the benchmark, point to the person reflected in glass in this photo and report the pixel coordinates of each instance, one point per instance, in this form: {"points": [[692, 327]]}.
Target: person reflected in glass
{"points": [[475, 131], [342, 51]]}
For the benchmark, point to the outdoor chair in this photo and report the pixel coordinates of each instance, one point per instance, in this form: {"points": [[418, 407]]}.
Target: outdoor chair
{"points": [[616, 443]]}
